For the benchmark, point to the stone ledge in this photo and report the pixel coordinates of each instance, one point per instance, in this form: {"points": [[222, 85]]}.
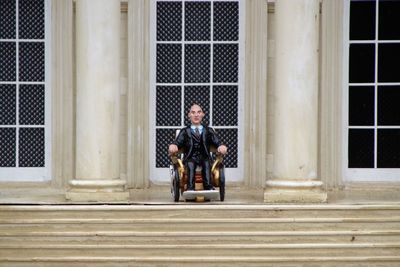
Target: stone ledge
{"points": [[97, 196]]}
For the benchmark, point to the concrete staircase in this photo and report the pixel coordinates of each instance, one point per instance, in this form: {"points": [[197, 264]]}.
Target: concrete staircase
{"points": [[200, 234]]}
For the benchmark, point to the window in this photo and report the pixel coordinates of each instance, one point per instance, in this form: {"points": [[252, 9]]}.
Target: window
{"points": [[373, 91], [197, 48], [24, 94]]}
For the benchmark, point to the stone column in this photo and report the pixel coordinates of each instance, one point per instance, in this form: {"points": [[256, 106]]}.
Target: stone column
{"points": [[295, 177], [97, 103]]}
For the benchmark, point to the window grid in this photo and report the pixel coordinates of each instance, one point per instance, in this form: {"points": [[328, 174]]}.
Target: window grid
{"points": [[18, 126], [376, 84], [183, 84]]}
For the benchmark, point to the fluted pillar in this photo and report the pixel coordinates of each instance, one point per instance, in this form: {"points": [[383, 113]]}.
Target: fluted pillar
{"points": [[97, 103], [295, 174]]}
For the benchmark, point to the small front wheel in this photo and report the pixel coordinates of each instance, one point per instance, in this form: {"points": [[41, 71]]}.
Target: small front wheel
{"points": [[176, 186], [222, 184]]}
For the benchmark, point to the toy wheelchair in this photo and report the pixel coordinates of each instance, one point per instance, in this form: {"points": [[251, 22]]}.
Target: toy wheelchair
{"points": [[179, 180]]}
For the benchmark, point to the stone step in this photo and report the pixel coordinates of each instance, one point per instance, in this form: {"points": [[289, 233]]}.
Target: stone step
{"points": [[198, 227], [173, 260], [197, 211], [200, 234], [132, 238], [206, 249]]}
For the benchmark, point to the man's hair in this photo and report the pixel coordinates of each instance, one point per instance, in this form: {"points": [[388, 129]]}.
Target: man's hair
{"points": [[197, 104]]}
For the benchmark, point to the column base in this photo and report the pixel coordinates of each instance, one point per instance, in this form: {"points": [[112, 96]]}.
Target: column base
{"points": [[97, 191], [292, 191]]}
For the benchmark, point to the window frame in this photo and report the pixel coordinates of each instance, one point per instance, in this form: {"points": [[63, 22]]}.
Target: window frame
{"points": [[35, 174], [363, 174], [160, 175]]}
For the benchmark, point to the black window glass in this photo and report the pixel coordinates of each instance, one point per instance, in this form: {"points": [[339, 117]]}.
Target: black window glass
{"points": [[362, 20], [169, 21], [361, 148], [388, 148], [168, 106], [169, 67], [8, 61], [389, 63], [225, 105], [197, 63], [362, 63], [361, 105], [31, 147], [8, 20], [389, 20], [389, 105], [164, 137], [31, 19], [226, 21], [197, 21], [8, 148]]}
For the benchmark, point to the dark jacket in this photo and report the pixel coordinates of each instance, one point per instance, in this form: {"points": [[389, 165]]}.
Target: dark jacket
{"points": [[185, 141]]}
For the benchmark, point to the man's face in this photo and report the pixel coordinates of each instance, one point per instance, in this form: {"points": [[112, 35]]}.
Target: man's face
{"points": [[196, 115]]}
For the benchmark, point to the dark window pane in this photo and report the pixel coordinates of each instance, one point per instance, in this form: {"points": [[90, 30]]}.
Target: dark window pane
{"points": [[31, 104], [389, 20], [169, 63], [199, 95], [8, 19], [361, 148], [361, 105], [31, 147], [388, 148], [31, 19], [226, 21], [31, 62], [168, 104], [362, 20], [164, 137], [197, 21], [8, 61], [169, 21], [8, 145], [229, 137], [8, 104], [388, 105], [226, 63], [362, 63], [389, 63], [197, 63], [225, 105]]}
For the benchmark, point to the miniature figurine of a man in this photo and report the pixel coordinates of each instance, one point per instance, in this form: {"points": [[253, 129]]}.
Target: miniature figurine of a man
{"points": [[196, 140]]}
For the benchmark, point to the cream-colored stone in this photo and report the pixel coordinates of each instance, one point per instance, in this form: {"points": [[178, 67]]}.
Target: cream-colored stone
{"points": [[295, 145], [295, 195], [98, 77], [255, 152], [98, 103], [63, 164], [296, 89], [97, 196], [331, 93], [138, 94]]}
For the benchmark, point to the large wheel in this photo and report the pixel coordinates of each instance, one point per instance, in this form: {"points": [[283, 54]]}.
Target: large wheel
{"points": [[176, 186], [222, 184]]}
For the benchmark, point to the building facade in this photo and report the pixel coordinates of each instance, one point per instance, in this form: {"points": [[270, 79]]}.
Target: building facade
{"points": [[303, 92]]}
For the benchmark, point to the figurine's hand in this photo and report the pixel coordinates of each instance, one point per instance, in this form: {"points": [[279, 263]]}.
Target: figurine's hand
{"points": [[222, 149], [172, 149]]}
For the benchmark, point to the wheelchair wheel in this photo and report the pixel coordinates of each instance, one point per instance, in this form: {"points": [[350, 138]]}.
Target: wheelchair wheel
{"points": [[176, 187], [222, 184]]}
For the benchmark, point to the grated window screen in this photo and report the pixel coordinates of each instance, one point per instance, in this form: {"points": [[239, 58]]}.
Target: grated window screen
{"points": [[22, 83], [373, 89], [197, 60]]}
